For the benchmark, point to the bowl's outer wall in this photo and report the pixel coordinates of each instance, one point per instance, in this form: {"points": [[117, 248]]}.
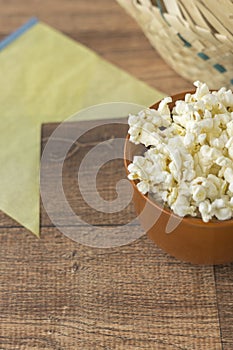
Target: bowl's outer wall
{"points": [[200, 243]]}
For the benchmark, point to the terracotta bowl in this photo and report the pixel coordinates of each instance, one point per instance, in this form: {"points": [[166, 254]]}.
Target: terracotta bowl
{"points": [[188, 239]]}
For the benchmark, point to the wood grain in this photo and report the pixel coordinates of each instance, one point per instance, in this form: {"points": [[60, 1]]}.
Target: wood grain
{"points": [[57, 294], [110, 173], [224, 289]]}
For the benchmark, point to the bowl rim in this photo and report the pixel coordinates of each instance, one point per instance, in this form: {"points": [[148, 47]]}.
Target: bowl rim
{"points": [[167, 211]]}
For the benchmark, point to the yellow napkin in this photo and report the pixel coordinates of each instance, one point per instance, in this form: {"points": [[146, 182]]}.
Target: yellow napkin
{"points": [[46, 77]]}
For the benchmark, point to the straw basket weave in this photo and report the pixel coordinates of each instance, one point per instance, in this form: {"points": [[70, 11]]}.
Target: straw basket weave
{"points": [[195, 37]]}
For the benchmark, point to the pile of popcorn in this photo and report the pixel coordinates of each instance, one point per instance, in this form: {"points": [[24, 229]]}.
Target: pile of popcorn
{"points": [[188, 164]]}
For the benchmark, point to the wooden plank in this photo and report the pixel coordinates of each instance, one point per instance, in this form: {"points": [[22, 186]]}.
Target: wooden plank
{"points": [[110, 173], [57, 294], [224, 288]]}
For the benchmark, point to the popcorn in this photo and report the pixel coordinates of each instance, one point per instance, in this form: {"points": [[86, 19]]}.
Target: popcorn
{"points": [[221, 209], [205, 210], [199, 194], [202, 90], [206, 157], [143, 128], [225, 97], [230, 127], [218, 142], [189, 161], [229, 146], [164, 109], [181, 206]]}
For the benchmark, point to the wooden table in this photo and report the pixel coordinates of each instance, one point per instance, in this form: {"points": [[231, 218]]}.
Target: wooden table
{"points": [[58, 294]]}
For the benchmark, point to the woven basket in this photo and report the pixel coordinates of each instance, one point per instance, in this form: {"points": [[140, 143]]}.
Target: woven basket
{"points": [[195, 37]]}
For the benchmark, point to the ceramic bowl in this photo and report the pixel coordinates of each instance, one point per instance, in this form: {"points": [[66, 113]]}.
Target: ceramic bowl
{"points": [[188, 239]]}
